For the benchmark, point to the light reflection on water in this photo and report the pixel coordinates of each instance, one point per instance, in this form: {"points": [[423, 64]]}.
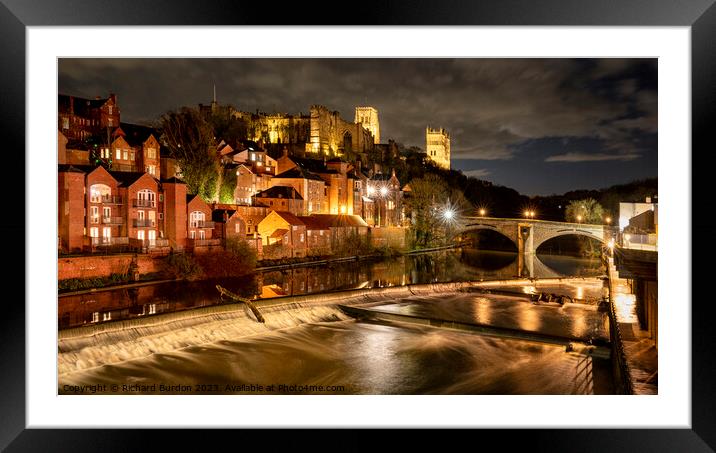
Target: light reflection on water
{"points": [[445, 266], [364, 358], [368, 358]]}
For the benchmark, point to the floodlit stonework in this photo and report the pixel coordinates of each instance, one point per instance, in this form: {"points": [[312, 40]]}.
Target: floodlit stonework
{"points": [[437, 146]]}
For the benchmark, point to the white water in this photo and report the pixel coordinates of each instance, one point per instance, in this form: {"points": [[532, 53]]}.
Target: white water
{"points": [[80, 353]]}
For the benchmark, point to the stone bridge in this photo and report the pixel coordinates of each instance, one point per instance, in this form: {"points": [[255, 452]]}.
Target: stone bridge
{"points": [[528, 235]]}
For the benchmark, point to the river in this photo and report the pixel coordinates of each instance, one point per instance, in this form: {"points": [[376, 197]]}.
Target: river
{"points": [[319, 350]]}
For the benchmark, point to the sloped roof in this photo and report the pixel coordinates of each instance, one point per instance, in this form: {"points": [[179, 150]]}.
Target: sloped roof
{"points": [[68, 168], [278, 233], [290, 218], [298, 173], [127, 178], [136, 134], [339, 220], [217, 215], [313, 223], [286, 192]]}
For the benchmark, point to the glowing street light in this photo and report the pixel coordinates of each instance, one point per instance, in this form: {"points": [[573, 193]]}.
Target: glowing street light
{"points": [[371, 190], [482, 212], [383, 191], [527, 214], [449, 214], [579, 218], [609, 220]]}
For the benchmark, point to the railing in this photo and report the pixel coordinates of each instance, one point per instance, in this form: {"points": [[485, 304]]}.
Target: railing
{"points": [[107, 199], [201, 224], [144, 203], [152, 243], [621, 367], [112, 220], [143, 223], [203, 242], [109, 241]]}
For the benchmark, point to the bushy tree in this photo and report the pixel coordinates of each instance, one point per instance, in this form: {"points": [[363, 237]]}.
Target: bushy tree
{"points": [[435, 211], [585, 211], [190, 140]]}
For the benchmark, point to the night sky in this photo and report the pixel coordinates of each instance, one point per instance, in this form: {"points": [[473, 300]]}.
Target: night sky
{"points": [[540, 126]]}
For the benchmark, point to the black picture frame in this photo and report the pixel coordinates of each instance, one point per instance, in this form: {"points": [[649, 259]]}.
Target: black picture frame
{"points": [[16, 15]]}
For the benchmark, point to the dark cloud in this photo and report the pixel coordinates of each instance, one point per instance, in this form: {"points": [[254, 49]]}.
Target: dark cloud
{"points": [[496, 110]]}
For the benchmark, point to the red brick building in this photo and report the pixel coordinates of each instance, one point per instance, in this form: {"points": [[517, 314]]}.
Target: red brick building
{"points": [[80, 118], [122, 211], [281, 198]]}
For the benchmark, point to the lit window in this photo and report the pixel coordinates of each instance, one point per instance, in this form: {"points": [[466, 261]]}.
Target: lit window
{"points": [[131, 155], [99, 192], [126, 155], [196, 219], [118, 153]]}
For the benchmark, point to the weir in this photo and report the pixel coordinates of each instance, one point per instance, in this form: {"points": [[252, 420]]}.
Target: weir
{"points": [[118, 341], [590, 346]]}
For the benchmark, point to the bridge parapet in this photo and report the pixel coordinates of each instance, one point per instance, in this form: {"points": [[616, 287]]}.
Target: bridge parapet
{"points": [[529, 234]]}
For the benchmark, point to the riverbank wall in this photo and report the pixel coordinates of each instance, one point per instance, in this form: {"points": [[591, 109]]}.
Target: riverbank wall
{"points": [[81, 267]]}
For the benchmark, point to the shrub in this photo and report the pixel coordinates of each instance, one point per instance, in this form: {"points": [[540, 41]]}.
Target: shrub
{"points": [[182, 265]]}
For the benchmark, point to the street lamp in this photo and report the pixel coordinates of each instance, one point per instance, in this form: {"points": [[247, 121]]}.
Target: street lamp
{"points": [[579, 219], [482, 212], [609, 220]]}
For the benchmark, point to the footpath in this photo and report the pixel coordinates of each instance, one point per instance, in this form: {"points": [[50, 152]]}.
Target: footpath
{"points": [[640, 350]]}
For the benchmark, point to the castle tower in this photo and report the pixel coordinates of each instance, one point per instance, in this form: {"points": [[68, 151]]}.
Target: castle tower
{"points": [[368, 116], [437, 145]]}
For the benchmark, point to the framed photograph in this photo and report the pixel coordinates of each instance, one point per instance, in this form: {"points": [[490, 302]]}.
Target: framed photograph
{"points": [[407, 217]]}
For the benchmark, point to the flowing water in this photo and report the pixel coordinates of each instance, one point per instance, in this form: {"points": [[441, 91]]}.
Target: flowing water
{"points": [[201, 345]]}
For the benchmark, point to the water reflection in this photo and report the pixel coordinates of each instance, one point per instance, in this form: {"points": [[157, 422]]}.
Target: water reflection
{"points": [[444, 266]]}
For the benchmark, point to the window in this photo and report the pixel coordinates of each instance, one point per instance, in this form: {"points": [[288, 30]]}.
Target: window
{"points": [[118, 153], [152, 170], [301, 237], [202, 234], [125, 154], [238, 227], [110, 109], [107, 233], [65, 123], [106, 213], [161, 215], [94, 232], [151, 153], [146, 198], [192, 234], [107, 316], [99, 192], [140, 235], [196, 219], [131, 155], [94, 214]]}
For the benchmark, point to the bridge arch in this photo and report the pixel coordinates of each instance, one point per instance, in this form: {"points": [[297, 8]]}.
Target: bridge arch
{"points": [[543, 236], [507, 233]]}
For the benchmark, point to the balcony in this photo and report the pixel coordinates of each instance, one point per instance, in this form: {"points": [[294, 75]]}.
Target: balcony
{"points": [[201, 224], [111, 220], [106, 199], [143, 223], [203, 242], [143, 203], [155, 243], [109, 241]]}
